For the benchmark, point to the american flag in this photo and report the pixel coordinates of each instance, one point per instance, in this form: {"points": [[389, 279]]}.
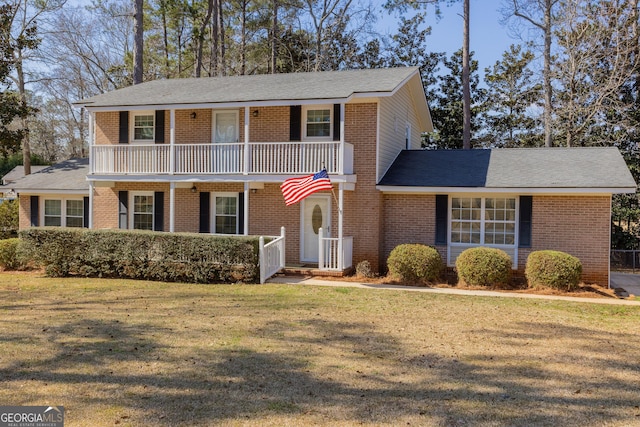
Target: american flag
{"points": [[296, 189]]}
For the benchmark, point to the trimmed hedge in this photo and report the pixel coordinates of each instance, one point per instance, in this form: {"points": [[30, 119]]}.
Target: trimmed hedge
{"points": [[483, 266], [9, 254], [415, 263], [553, 269], [169, 257]]}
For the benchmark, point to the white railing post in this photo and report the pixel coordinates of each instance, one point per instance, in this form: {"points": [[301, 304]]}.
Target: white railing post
{"points": [[245, 170], [262, 259], [282, 254], [172, 141], [320, 249]]}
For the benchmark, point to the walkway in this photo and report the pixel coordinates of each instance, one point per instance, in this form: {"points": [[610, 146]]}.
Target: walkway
{"points": [[336, 283]]}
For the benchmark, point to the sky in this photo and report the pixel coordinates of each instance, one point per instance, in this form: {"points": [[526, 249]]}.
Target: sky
{"points": [[487, 37]]}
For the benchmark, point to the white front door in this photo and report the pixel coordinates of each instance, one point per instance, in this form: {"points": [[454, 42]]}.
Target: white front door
{"points": [[316, 213]]}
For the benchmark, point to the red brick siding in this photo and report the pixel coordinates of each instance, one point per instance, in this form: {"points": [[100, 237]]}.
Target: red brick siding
{"points": [[578, 225]]}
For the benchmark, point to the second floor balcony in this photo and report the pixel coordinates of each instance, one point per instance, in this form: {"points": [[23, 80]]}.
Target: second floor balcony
{"points": [[254, 158]]}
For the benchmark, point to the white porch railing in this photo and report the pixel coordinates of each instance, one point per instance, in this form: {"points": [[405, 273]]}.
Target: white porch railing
{"points": [[203, 159], [272, 256], [329, 251]]}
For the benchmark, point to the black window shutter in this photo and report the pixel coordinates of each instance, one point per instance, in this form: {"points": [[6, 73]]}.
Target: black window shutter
{"points": [[158, 211], [336, 122], [524, 233], [85, 212], [159, 126], [241, 213], [35, 214], [295, 123], [205, 212], [123, 207], [124, 127], [442, 210]]}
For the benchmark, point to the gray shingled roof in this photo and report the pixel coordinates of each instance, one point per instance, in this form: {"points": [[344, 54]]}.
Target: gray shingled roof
{"points": [[70, 175], [265, 87], [18, 172], [571, 168]]}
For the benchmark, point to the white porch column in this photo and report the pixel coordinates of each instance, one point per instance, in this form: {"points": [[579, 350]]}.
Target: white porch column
{"points": [[172, 142], [172, 206], [92, 142], [246, 147], [90, 225], [340, 219], [342, 110], [246, 209]]}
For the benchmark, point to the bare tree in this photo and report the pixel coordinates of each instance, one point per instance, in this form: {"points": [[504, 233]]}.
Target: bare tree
{"points": [[596, 57], [539, 13]]}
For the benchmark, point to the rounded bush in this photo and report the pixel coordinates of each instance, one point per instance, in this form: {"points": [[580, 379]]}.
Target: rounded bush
{"points": [[484, 266], [553, 269], [9, 254], [415, 263], [363, 269]]}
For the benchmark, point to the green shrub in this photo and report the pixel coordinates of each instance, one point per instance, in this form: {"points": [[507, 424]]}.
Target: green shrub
{"points": [[148, 255], [8, 219], [553, 269], [484, 267], [8, 254], [415, 263], [363, 269]]}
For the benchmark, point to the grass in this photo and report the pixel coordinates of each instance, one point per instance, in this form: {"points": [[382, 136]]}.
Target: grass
{"points": [[137, 353]]}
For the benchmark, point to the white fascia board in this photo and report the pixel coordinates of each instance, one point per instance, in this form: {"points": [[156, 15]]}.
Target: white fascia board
{"points": [[391, 189], [209, 178], [36, 191]]}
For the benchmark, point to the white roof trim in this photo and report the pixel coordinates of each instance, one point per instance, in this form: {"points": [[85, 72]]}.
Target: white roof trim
{"points": [[520, 190]]}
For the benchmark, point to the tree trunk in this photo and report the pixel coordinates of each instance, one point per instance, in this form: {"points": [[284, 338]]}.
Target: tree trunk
{"points": [[274, 37], [466, 86], [138, 41], [215, 37], [547, 74], [243, 38], [200, 40]]}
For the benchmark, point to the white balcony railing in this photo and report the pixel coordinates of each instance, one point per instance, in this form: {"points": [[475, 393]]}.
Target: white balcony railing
{"points": [[203, 159]]}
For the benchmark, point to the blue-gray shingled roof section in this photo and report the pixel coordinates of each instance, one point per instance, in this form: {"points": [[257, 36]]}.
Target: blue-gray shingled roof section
{"points": [[592, 167]]}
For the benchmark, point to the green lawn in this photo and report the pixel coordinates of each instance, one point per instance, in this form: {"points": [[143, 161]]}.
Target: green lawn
{"points": [[145, 353]]}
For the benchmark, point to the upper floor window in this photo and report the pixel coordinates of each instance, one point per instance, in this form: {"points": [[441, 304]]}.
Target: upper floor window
{"points": [[143, 126], [317, 122], [225, 126], [63, 213]]}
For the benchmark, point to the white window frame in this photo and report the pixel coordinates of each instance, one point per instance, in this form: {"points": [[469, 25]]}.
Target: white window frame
{"points": [[63, 210], [132, 208], [305, 110], [213, 125], [132, 121], [483, 221], [213, 215]]}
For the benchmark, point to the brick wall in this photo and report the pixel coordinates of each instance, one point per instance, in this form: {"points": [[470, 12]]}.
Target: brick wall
{"points": [[410, 218], [24, 211], [577, 225]]}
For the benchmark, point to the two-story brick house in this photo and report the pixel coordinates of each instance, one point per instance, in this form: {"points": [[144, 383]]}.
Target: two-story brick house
{"points": [[209, 155]]}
